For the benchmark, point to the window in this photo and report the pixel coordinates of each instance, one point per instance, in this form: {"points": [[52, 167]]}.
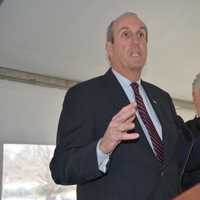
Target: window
{"points": [[26, 174]]}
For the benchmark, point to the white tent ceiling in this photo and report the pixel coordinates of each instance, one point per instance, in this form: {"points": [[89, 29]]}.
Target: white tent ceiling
{"points": [[65, 38]]}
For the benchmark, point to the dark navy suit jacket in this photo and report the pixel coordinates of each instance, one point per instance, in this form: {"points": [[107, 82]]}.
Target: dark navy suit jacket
{"points": [[192, 172], [133, 172]]}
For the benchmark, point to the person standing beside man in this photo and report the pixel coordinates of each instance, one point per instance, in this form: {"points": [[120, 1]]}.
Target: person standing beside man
{"points": [[194, 124], [118, 136], [192, 174]]}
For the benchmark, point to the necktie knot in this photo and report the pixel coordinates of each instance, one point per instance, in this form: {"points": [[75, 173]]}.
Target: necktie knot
{"points": [[135, 87]]}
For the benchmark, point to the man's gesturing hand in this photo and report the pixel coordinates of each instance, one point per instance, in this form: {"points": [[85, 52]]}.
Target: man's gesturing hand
{"points": [[117, 129]]}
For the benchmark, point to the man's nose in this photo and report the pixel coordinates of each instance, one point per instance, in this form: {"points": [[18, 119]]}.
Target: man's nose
{"points": [[135, 39]]}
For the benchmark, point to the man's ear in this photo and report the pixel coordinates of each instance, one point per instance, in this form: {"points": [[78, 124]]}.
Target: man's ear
{"points": [[109, 49]]}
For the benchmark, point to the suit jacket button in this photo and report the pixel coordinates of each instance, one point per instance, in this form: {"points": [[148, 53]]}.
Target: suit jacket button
{"points": [[162, 173]]}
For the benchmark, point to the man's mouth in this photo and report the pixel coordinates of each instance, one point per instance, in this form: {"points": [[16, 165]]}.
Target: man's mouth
{"points": [[135, 54]]}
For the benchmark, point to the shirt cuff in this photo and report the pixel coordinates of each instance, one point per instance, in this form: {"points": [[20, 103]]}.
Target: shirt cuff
{"points": [[102, 158]]}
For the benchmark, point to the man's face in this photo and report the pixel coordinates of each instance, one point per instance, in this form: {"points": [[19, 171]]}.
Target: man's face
{"points": [[196, 98], [129, 48]]}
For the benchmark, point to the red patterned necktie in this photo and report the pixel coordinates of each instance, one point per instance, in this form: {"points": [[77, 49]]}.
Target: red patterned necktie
{"points": [[155, 138]]}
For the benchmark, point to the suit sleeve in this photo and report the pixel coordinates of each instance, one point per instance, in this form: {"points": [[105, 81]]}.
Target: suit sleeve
{"points": [[75, 159], [194, 126], [192, 173]]}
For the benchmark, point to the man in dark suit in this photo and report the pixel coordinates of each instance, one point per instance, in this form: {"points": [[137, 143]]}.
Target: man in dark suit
{"points": [[192, 173], [119, 138]]}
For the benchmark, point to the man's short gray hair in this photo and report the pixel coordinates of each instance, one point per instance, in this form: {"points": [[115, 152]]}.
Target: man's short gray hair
{"points": [[196, 82], [109, 35]]}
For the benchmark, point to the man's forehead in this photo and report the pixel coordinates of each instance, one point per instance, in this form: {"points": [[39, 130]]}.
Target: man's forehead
{"points": [[127, 21]]}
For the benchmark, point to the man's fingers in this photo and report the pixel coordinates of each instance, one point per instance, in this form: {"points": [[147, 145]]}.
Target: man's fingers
{"points": [[130, 136], [131, 106], [131, 119], [124, 127], [125, 113]]}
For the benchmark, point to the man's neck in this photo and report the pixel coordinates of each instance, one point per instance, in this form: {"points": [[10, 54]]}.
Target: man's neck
{"points": [[131, 75]]}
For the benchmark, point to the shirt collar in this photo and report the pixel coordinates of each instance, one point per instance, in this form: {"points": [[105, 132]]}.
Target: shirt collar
{"points": [[123, 80]]}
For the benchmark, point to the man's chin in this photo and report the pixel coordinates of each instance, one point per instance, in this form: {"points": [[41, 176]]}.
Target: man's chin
{"points": [[137, 66]]}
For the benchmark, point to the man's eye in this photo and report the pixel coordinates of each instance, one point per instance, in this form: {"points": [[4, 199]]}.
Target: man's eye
{"points": [[141, 35], [125, 34]]}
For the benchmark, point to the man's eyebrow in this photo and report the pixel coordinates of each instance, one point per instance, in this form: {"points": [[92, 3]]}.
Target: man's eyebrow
{"points": [[143, 28], [123, 28], [127, 28]]}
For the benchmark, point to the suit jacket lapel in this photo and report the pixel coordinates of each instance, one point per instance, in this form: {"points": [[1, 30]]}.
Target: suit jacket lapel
{"points": [[115, 92], [160, 107]]}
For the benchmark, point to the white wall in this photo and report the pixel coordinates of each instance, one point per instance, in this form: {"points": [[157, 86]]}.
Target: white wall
{"points": [[186, 114], [29, 114]]}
